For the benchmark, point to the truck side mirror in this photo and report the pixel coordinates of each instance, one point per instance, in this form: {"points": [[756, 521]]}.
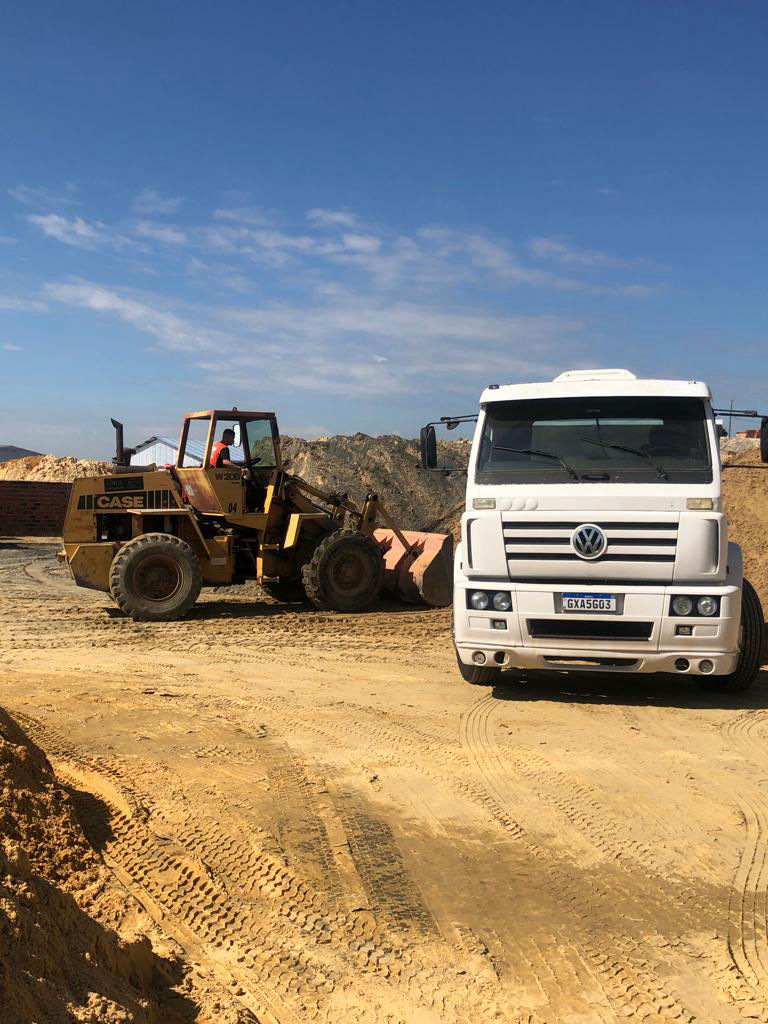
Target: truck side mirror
{"points": [[764, 439], [428, 443]]}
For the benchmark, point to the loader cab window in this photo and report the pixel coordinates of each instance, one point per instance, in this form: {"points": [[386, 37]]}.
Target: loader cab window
{"points": [[194, 449], [236, 447], [261, 443]]}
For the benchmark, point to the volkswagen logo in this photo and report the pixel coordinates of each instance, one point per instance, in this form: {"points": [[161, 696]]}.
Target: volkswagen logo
{"points": [[589, 541]]}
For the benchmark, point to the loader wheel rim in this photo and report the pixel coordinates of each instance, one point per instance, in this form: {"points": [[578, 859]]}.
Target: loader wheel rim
{"points": [[349, 571], [157, 578]]}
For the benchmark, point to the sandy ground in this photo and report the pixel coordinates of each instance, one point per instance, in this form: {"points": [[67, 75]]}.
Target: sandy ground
{"points": [[326, 824]]}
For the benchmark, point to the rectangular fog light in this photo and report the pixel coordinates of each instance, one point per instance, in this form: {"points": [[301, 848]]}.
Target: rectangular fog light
{"points": [[684, 631], [499, 623]]}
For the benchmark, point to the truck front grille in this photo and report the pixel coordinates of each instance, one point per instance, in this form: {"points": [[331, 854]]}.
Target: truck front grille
{"points": [[537, 546], [588, 629]]}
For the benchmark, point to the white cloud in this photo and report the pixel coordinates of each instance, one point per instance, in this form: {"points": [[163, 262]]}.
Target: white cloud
{"points": [[242, 215], [170, 330], [150, 201], [332, 218], [78, 232], [40, 196], [167, 233], [561, 252], [336, 346], [361, 243], [15, 304], [11, 348]]}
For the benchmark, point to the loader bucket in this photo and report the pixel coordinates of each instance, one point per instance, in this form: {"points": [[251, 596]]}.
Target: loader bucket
{"points": [[423, 574]]}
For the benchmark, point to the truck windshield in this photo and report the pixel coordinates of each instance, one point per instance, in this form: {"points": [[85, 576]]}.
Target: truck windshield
{"points": [[626, 440]]}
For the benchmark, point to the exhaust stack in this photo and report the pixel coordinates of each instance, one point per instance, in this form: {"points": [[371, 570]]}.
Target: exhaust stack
{"points": [[122, 454]]}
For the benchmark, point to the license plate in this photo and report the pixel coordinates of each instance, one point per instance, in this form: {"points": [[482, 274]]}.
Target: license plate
{"points": [[589, 602]]}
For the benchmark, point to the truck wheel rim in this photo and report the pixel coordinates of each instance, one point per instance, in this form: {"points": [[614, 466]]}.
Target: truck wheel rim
{"points": [[157, 578]]}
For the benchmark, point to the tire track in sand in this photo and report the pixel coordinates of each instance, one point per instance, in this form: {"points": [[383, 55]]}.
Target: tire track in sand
{"points": [[635, 989], [748, 906], [234, 907], [234, 938]]}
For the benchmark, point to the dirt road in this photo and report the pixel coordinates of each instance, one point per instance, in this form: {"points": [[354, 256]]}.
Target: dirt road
{"points": [[329, 825]]}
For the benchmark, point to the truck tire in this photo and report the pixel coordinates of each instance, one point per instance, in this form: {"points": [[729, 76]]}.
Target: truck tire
{"points": [[750, 657], [478, 675], [345, 573], [155, 577]]}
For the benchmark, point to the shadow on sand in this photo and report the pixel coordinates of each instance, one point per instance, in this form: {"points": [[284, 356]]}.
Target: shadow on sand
{"points": [[634, 690]]}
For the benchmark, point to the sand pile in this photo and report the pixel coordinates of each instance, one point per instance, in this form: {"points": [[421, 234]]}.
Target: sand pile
{"points": [[53, 468], [745, 500], [60, 961], [388, 465]]}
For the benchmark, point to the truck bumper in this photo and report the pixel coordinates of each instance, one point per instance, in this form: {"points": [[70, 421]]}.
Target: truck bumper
{"points": [[642, 636]]}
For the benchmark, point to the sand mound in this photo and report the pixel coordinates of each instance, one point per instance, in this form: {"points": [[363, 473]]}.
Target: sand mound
{"points": [[60, 962], [52, 468], [388, 465], [745, 500]]}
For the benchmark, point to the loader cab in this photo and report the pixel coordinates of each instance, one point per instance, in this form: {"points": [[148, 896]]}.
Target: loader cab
{"points": [[222, 490]]}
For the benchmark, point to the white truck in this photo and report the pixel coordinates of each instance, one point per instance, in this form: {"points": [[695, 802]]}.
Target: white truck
{"points": [[593, 537]]}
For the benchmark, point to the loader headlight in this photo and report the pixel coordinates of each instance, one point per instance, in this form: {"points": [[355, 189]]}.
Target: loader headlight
{"points": [[479, 600], [707, 605], [682, 605], [502, 601]]}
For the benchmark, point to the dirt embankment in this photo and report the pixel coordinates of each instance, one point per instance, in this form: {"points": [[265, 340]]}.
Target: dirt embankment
{"points": [[745, 500], [60, 960], [52, 468], [389, 466]]}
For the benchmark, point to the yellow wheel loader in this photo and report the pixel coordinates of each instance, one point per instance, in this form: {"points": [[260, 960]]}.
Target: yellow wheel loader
{"points": [[226, 513]]}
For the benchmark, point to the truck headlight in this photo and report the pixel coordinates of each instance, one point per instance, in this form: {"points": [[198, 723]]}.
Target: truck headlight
{"points": [[707, 606], [479, 600], [682, 605], [502, 601]]}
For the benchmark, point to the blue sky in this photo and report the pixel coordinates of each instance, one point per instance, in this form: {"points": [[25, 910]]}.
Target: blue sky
{"points": [[361, 213]]}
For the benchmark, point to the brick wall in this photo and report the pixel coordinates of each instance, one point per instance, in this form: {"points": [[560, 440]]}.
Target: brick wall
{"points": [[31, 508]]}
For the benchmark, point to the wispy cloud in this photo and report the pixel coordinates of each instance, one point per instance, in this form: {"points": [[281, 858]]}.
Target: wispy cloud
{"points": [[562, 252], [7, 240], [78, 232], [344, 344], [332, 218], [167, 233], [170, 330], [11, 348], [150, 201], [41, 197], [18, 304], [242, 215]]}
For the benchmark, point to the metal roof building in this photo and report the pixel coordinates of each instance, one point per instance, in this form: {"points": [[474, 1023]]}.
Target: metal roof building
{"points": [[162, 451]]}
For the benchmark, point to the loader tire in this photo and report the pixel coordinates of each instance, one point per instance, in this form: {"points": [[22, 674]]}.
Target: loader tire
{"points": [[750, 656], [155, 577], [345, 573]]}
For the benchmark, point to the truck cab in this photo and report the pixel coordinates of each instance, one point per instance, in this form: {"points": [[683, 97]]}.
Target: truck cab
{"points": [[594, 536]]}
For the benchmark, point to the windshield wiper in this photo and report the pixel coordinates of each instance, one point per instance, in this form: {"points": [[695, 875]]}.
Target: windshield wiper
{"points": [[546, 455], [632, 451]]}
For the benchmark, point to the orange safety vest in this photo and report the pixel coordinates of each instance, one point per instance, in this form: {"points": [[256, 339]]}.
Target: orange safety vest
{"points": [[218, 448]]}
